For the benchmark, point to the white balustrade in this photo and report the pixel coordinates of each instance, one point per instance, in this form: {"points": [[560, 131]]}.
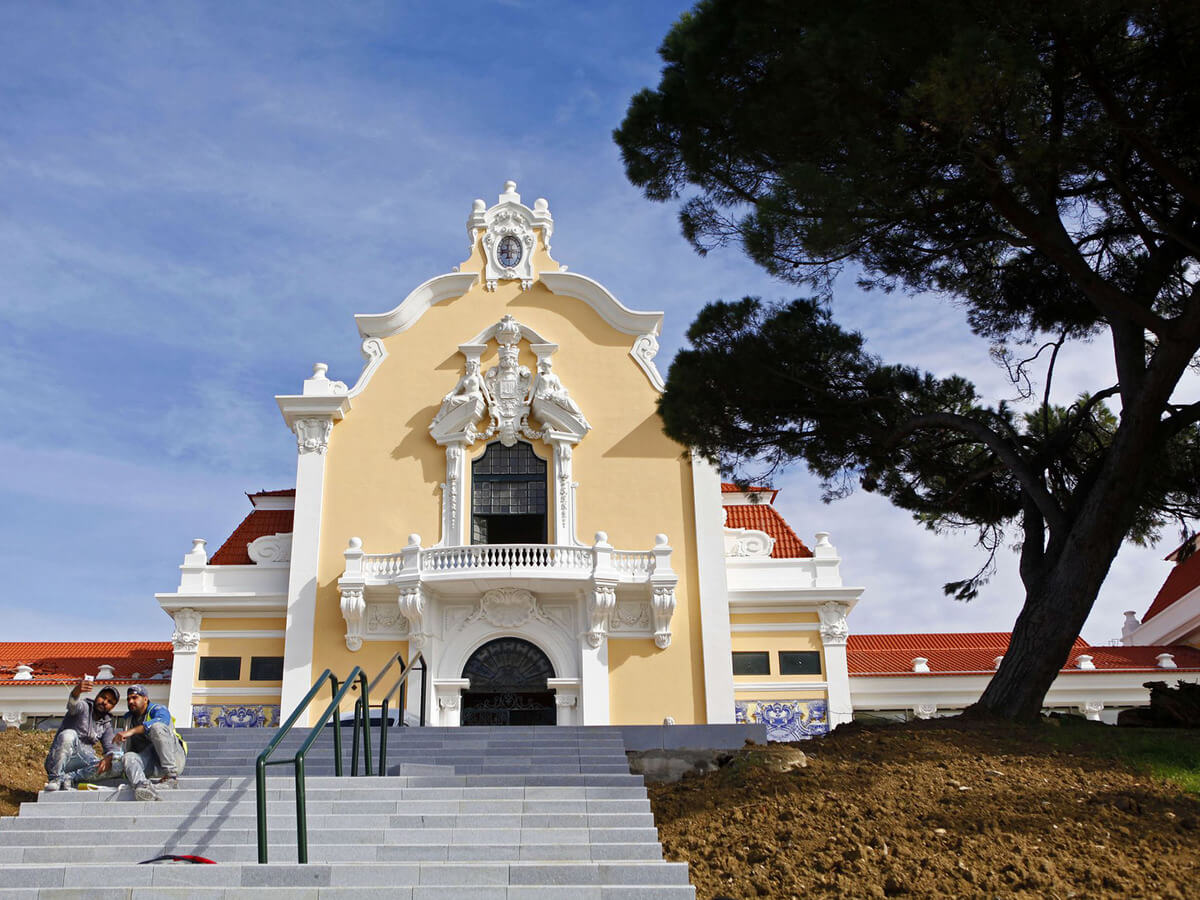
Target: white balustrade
{"points": [[383, 565], [637, 563], [481, 559]]}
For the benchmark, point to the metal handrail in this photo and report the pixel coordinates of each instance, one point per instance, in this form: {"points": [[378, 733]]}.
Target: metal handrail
{"points": [[264, 758], [401, 685]]}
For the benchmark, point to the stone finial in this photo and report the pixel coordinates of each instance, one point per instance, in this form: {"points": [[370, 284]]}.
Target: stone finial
{"points": [[920, 664], [23, 673], [105, 673], [1083, 661], [1130, 625], [1166, 661]]}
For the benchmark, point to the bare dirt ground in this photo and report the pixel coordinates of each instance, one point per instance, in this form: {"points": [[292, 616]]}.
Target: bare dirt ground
{"points": [[21, 772], [935, 809]]}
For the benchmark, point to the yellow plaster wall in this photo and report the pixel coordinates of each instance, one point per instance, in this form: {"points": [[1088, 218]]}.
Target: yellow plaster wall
{"points": [[383, 471], [245, 648]]}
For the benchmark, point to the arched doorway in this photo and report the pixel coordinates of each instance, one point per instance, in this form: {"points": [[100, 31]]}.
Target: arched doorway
{"points": [[508, 685]]}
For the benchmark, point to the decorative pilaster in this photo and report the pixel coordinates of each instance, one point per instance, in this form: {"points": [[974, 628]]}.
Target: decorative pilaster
{"points": [[564, 493], [454, 501], [310, 415], [566, 698], [185, 641], [834, 633], [352, 585], [603, 596], [449, 700]]}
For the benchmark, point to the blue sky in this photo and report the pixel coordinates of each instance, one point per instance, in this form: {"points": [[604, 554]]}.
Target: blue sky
{"points": [[198, 197]]}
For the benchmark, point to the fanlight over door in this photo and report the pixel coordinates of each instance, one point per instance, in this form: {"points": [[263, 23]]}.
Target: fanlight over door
{"points": [[508, 685]]}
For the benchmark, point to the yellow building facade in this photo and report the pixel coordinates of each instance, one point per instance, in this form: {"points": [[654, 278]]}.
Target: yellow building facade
{"points": [[494, 491]]}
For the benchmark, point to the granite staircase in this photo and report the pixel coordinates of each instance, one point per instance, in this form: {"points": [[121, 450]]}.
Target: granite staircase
{"points": [[499, 813]]}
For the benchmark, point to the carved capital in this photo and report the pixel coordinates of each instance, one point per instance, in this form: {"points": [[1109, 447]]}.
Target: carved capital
{"points": [[312, 434], [450, 701], [565, 701], [925, 710], [12, 718], [186, 637], [834, 630]]}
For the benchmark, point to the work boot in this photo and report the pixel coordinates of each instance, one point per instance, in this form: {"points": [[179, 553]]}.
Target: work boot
{"points": [[145, 791], [168, 781]]}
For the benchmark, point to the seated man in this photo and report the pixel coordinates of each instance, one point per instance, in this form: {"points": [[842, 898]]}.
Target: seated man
{"points": [[86, 722], [152, 748]]}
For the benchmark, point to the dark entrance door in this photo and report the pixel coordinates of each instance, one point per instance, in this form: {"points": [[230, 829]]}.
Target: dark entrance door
{"points": [[508, 685]]}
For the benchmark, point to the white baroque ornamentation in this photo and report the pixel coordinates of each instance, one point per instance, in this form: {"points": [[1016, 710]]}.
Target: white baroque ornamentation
{"points": [[565, 701], [509, 393], [186, 637], [925, 710], [663, 607], [412, 606], [748, 543], [643, 351], [13, 718], [509, 218], [385, 618], [312, 434], [630, 615], [602, 600], [833, 622], [506, 607], [354, 608], [448, 702], [271, 549]]}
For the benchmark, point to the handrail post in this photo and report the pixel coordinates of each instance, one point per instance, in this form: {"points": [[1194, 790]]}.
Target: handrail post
{"points": [[366, 723], [383, 715], [354, 740], [260, 784], [337, 731], [301, 814], [423, 695]]}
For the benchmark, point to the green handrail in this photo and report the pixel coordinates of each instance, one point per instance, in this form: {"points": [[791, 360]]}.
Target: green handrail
{"points": [[401, 685], [264, 758]]}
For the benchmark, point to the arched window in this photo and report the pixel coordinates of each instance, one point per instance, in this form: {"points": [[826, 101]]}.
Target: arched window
{"points": [[508, 496]]}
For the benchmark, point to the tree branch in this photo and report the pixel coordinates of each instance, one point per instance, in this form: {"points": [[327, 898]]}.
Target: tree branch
{"points": [[1036, 491]]}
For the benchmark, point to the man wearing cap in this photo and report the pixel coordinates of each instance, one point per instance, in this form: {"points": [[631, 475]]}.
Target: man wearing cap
{"points": [[152, 748], [151, 745], [86, 722]]}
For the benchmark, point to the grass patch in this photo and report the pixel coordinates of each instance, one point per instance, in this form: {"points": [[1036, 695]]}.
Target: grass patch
{"points": [[1170, 754]]}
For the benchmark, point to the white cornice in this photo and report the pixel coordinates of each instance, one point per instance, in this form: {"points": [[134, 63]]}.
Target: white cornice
{"points": [[299, 406], [800, 599], [412, 307], [208, 635], [598, 297], [1173, 625], [247, 603], [779, 685], [775, 626]]}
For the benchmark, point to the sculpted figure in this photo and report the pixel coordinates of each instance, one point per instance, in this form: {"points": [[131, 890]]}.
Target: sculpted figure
{"points": [[469, 388], [550, 389]]}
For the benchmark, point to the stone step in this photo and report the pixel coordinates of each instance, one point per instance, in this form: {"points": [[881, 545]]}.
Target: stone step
{"points": [[247, 851], [286, 875]]}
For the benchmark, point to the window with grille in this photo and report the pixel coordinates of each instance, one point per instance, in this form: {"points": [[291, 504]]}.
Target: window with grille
{"points": [[508, 496], [220, 668]]}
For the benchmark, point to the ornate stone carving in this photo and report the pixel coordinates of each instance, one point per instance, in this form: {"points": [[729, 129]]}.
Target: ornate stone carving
{"points": [[925, 710], [748, 543], [833, 622], [463, 406], [509, 222], [353, 609], [643, 351], [506, 607], [508, 385], [312, 434], [450, 701], [565, 701], [630, 615], [412, 606], [600, 604], [552, 404], [384, 618], [13, 718], [186, 637], [271, 550], [663, 607]]}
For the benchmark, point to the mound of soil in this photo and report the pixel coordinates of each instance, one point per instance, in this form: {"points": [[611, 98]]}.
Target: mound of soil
{"points": [[943, 808], [21, 773]]}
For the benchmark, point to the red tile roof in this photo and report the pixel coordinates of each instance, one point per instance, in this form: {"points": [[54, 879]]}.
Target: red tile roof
{"points": [[260, 523], [975, 653], [63, 662], [730, 488], [1182, 580], [761, 517]]}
